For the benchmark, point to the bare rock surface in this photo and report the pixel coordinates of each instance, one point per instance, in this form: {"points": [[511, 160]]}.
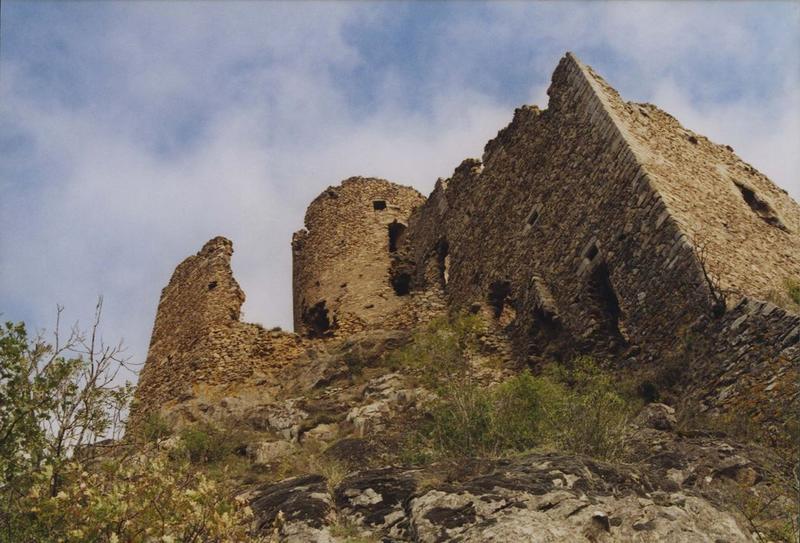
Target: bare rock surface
{"points": [[536, 498]]}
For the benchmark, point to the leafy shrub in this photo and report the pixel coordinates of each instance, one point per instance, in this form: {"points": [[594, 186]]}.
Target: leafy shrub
{"points": [[589, 415], [206, 444], [439, 352], [130, 497], [575, 408], [530, 411], [155, 427], [461, 423]]}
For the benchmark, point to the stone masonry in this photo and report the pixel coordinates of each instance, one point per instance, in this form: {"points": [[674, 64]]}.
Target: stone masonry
{"points": [[342, 257], [594, 226], [198, 339]]}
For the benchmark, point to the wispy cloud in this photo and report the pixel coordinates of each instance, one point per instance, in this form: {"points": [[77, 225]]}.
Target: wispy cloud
{"points": [[132, 132]]}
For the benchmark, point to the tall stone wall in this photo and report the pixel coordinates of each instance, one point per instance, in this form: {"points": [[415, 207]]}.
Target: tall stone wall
{"points": [[560, 225], [748, 363], [198, 339], [746, 229], [341, 259]]}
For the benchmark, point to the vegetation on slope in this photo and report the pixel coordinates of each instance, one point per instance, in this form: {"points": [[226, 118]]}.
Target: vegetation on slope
{"points": [[574, 408], [61, 481]]}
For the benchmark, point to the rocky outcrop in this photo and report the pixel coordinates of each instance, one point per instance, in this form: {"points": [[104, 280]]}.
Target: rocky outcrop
{"points": [[676, 487], [531, 499]]}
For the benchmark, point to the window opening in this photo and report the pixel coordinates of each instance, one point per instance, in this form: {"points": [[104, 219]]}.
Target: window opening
{"points": [[401, 283], [604, 302], [499, 296], [760, 207]]}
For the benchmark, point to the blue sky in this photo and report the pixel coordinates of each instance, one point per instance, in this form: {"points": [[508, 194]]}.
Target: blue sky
{"points": [[132, 132]]}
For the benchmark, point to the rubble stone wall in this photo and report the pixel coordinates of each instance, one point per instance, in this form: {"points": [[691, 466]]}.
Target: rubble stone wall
{"points": [[747, 228], [342, 257], [749, 363], [198, 339], [561, 222], [595, 226]]}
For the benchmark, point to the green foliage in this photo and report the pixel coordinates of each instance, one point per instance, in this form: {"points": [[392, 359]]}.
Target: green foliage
{"points": [[438, 351], [576, 411], [574, 408], [204, 444], [33, 384], [155, 427], [588, 415], [130, 497], [57, 401]]}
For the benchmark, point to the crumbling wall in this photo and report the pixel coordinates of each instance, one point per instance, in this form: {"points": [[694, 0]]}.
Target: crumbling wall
{"points": [[198, 339], [747, 363], [746, 229], [561, 210], [341, 260]]}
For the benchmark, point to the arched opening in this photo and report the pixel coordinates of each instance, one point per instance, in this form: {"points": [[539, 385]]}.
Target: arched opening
{"points": [[499, 294], [396, 234], [603, 303]]}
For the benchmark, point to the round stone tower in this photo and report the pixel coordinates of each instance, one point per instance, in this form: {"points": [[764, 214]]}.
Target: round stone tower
{"points": [[341, 259]]}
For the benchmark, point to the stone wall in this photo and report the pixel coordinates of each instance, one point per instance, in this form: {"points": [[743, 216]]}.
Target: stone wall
{"points": [[747, 228], [198, 340], [560, 225], [748, 364], [341, 259], [594, 226], [604, 227]]}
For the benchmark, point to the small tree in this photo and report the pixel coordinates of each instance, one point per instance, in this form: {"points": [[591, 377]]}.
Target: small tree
{"points": [[58, 400]]}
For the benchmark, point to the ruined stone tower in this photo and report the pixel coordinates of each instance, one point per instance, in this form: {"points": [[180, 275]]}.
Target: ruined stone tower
{"points": [[341, 259]]}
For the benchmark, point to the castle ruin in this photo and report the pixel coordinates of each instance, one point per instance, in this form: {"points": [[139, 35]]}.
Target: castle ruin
{"points": [[595, 226]]}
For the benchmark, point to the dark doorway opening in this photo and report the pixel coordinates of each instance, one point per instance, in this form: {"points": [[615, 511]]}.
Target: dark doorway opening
{"points": [[443, 261], [499, 296], [604, 304], [379, 205], [396, 234], [401, 283], [317, 321]]}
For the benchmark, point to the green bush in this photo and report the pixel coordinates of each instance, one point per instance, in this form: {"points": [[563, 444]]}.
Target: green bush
{"points": [[207, 444], [155, 427], [439, 352], [574, 408], [590, 415]]}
